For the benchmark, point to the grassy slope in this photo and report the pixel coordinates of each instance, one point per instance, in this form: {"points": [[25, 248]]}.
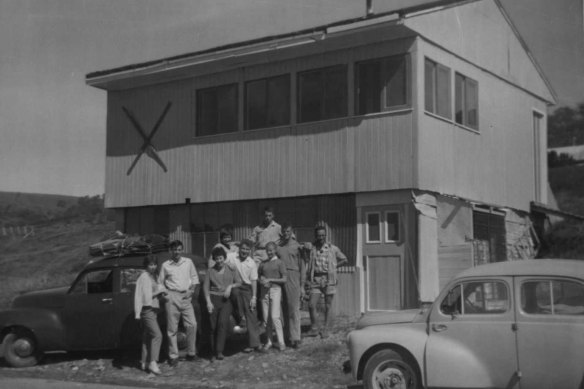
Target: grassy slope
{"points": [[50, 258], [13, 203]]}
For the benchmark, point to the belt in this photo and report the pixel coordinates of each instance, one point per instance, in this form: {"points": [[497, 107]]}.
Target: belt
{"points": [[177, 291]]}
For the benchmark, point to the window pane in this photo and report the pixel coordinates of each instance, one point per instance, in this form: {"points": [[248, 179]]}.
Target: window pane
{"points": [[472, 103], [335, 92], [459, 99], [370, 87], [429, 82], [310, 96], [392, 229], [484, 297], [536, 297], [217, 110], [278, 101], [490, 244], [373, 230], [100, 281], [128, 278], [396, 91], [227, 103], [443, 92], [256, 104], [451, 303], [555, 297]]}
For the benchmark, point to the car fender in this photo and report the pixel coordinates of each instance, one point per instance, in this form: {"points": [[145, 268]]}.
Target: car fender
{"points": [[409, 338], [45, 325]]}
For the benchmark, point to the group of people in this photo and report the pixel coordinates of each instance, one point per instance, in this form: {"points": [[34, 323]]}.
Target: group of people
{"points": [[260, 282]]}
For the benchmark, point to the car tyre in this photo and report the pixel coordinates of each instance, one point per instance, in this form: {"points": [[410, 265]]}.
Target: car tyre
{"points": [[20, 349], [389, 369]]}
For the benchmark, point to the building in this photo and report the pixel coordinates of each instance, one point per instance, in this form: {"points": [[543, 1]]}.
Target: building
{"points": [[416, 134]]}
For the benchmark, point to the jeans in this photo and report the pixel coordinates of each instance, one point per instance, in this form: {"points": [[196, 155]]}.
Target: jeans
{"points": [[151, 335], [177, 306], [271, 301], [291, 306], [243, 295]]}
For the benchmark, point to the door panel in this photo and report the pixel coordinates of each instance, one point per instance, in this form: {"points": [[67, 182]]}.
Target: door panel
{"points": [[471, 340], [384, 282], [550, 336]]}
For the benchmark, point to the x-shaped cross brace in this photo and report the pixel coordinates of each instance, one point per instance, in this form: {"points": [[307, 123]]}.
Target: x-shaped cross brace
{"points": [[147, 146]]}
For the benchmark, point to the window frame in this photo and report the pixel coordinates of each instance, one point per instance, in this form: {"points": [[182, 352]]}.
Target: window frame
{"points": [[464, 101], [379, 224], [383, 100], [266, 80], [199, 110], [436, 66], [323, 70], [460, 285], [399, 222]]}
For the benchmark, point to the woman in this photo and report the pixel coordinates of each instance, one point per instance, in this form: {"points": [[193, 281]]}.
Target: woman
{"points": [[219, 282], [146, 308]]}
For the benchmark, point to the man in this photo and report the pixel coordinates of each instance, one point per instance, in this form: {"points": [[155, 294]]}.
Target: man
{"points": [[246, 294], [225, 242], [267, 231], [179, 276], [290, 252], [322, 279]]}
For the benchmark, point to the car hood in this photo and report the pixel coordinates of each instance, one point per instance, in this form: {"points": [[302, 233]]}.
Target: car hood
{"points": [[393, 317], [47, 298]]}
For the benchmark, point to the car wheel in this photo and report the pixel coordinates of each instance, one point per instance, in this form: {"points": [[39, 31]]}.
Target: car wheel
{"points": [[20, 350], [387, 369]]}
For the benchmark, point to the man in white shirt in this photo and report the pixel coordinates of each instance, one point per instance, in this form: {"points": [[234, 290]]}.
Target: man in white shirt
{"points": [[246, 294], [267, 231], [179, 276]]}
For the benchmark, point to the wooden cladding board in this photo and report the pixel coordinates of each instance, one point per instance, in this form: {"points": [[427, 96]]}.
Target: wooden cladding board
{"points": [[452, 260]]}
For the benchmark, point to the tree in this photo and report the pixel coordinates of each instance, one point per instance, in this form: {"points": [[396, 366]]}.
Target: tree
{"points": [[566, 126]]}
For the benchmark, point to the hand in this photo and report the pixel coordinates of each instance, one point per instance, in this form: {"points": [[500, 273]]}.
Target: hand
{"points": [[252, 304], [308, 246], [210, 307], [227, 292], [302, 294]]}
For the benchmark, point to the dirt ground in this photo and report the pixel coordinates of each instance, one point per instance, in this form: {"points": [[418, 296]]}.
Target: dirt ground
{"points": [[318, 363]]}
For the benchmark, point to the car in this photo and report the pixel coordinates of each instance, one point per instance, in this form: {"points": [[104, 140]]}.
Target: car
{"points": [[515, 324], [96, 312]]}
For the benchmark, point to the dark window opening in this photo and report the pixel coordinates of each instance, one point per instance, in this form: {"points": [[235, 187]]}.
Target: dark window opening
{"points": [[437, 93], [217, 110], [489, 238], [268, 102], [466, 101], [322, 94]]}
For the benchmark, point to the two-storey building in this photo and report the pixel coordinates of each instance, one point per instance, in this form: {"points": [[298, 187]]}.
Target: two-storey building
{"points": [[417, 135]]}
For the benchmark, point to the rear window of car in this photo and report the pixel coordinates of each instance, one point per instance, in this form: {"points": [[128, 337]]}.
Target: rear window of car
{"points": [[476, 298], [552, 297]]}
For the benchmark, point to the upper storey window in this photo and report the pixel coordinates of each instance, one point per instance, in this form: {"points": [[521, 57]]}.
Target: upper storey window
{"points": [[382, 84], [217, 110], [466, 101], [437, 89], [322, 94], [267, 102]]}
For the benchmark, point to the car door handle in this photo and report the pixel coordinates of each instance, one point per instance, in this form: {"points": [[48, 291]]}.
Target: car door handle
{"points": [[107, 300], [439, 327]]}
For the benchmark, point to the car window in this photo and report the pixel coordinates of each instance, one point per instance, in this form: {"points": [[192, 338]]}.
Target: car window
{"points": [[98, 281], [552, 297], [476, 297], [128, 278]]}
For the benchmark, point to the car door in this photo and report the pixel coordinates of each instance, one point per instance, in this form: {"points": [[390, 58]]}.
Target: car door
{"points": [[88, 311], [550, 335], [471, 340], [128, 328]]}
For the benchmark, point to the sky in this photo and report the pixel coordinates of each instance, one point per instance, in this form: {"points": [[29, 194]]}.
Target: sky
{"points": [[52, 125]]}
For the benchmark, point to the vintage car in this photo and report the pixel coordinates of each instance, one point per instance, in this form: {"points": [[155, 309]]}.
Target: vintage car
{"points": [[95, 313], [517, 324]]}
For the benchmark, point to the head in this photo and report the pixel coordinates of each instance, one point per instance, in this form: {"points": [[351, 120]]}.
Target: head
{"points": [[151, 264], [219, 255], [175, 248], [268, 215], [271, 249], [245, 248], [320, 234], [225, 236], [287, 231]]}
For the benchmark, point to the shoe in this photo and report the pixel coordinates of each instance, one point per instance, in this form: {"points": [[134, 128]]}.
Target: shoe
{"points": [[248, 350], [220, 356], [312, 332], [282, 347], [239, 330], [192, 358], [173, 362], [153, 367], [295, 344], [267, 346]]}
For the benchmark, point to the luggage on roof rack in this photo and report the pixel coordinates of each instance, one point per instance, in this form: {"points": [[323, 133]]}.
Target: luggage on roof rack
{"points": [[122, 244]]}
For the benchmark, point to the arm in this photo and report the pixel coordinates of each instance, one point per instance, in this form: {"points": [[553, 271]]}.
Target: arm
{"points": [[341, 258], [206, 290], [139, 294], [254, 289]]}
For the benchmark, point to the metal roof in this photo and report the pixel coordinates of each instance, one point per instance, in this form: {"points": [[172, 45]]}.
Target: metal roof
{"points": [[528, 267]]}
